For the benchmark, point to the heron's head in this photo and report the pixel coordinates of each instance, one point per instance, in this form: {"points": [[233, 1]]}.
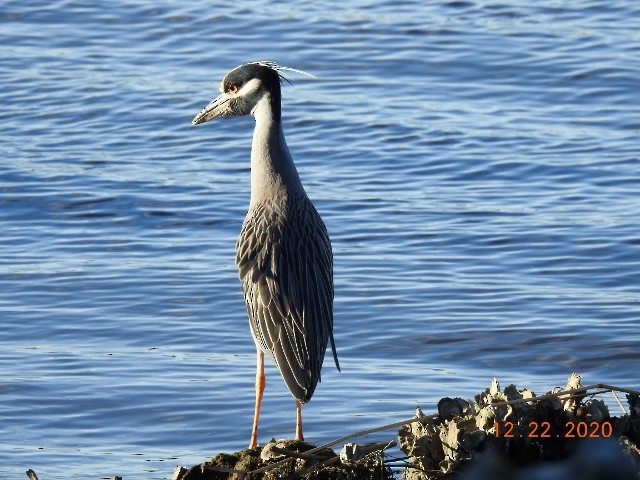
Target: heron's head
{"points": [[245, 88]]}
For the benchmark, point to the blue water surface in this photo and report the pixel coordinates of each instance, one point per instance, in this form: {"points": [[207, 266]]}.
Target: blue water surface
{"points": [[477, 165]]}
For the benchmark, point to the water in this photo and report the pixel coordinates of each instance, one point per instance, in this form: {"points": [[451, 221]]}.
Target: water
{"points": [[476, 163]]}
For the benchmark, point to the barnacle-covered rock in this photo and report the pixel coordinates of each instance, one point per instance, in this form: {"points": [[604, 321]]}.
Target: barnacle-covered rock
{"points": [[351, 452], [510, 427]]}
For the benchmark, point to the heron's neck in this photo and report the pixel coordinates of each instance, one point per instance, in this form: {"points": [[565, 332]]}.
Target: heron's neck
{"points": [[273, 172]]}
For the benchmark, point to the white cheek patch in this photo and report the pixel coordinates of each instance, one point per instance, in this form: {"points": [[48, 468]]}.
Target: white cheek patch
{"points": [[249, 88]]}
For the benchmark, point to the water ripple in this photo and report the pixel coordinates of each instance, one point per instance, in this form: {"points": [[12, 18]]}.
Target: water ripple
{"points": [[476, 165]]}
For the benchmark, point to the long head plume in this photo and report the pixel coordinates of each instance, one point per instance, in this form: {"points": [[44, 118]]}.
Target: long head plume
{"points": [[282, 70]]}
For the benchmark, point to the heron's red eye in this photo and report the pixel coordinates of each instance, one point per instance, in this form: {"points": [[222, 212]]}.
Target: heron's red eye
{"points": [[233, 89]]}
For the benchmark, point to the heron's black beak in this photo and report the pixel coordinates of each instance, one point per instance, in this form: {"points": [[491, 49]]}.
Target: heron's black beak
{"points": [[219, 107]]}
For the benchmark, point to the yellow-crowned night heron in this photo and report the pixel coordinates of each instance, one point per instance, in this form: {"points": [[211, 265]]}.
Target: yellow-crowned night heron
{"points": [[283, 252]]}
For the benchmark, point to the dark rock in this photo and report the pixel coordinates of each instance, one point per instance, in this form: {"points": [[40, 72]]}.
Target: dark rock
{"points": [[323, 464]]}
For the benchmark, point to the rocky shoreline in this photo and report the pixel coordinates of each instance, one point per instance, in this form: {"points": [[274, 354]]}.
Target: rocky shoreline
{"points": [[503, 435]]}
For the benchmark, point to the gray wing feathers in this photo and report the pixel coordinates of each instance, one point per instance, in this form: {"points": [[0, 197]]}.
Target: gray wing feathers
{"points": [[286, 269]]}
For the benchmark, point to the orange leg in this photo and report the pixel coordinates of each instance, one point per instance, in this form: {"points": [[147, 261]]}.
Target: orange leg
{"points": [[299, 421], [260, 382]]}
